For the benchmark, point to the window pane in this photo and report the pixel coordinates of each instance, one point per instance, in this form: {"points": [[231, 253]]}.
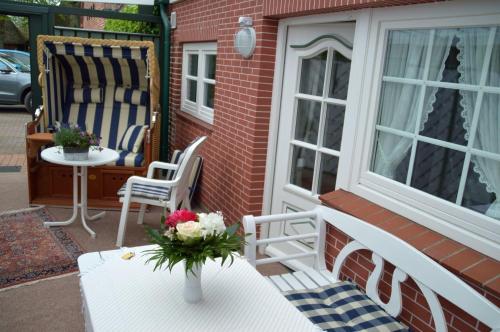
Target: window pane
{"points": [[406, 50], [339, 82], [476, 196], [391, 156], [210, 61], [442, 115], [312, 75], [444, 63], [327, 173], [333, 126], [473, 45], [437, 170], [208, 99], [302, 167], [494, 70], [193, 65], [488, 126], [307, 121], [191, 90], [399, 106]]}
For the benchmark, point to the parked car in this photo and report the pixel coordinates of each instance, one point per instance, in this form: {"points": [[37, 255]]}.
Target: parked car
{"points": [[15, 84], [22, 56]]}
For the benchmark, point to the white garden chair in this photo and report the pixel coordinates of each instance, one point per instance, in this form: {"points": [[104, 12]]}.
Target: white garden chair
{"points": [[169, 194], [431, 278]]}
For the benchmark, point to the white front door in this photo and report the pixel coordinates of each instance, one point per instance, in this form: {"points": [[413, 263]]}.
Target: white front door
{"points": [[313, 106]]}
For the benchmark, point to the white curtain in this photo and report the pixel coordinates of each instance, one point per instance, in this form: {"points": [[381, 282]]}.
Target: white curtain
{"points": [[399, 102], [473, 47]]}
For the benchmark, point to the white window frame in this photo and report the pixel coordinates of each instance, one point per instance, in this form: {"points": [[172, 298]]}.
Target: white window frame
{"points": [[197, 109], [464, 225], [477, 231]]}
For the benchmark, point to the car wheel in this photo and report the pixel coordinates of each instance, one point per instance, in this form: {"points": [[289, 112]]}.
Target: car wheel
{"points": [[28, 102]]}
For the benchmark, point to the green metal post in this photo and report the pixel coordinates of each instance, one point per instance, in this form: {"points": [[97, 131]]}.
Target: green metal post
{"points": [[165, 78]]}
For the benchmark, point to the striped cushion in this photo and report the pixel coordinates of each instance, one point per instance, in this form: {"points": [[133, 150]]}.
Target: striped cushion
{"points": [[129, 159], [147, 191], [343, 307], [131, 96], [86, 95], [133, 138]]}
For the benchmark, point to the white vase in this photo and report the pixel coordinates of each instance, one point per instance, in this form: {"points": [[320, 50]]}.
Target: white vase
{"points": [[192, 285]]}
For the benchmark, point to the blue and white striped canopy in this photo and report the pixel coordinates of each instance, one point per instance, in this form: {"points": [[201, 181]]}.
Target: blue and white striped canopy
{"points": [[104, 86]]}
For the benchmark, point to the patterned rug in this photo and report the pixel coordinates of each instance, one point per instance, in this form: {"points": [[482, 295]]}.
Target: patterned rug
{"points": [[29, 251]]}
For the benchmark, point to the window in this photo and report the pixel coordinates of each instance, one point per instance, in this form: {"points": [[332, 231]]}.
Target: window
{"points": [[198, 80], [438, 125]]}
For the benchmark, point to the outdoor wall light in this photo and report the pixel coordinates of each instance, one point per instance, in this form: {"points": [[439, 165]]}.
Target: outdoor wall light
{"points": [[245, 38]]}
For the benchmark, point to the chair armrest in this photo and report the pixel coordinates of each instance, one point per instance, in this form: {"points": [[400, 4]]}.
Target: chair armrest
{"points": [[31, 125], [155, 182], [161, 165]]}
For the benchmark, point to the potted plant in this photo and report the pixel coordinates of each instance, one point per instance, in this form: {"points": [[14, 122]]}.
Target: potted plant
{"points": [[75, 142], [192, 238]]}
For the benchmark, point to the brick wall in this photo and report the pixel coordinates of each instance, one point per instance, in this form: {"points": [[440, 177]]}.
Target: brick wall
{"points": [[235, 153], [96, 23]]}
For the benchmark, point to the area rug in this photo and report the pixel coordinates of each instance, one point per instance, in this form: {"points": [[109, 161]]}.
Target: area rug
{"points": [[29, 251]]}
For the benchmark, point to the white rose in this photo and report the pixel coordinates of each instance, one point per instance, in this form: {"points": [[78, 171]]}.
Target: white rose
{"points": [[188, 230], [212, 223]]}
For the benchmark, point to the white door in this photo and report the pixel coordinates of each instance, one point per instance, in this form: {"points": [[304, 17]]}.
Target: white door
{"points": [[313, 105]]}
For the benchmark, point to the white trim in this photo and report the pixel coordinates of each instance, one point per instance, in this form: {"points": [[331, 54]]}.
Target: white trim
{"points": [[197, 109], [474, 230], [461, 224]]}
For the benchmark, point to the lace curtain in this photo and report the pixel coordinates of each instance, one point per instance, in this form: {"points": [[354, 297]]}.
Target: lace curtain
{"points": [[473, 47], [400, 101]]}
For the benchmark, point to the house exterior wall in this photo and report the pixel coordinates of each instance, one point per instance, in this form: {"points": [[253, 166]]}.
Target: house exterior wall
{"points": [[235, 153]]}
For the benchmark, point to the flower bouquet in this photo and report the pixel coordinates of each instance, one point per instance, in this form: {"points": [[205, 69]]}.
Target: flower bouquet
{"points": [[193, 238], [75, 141]]}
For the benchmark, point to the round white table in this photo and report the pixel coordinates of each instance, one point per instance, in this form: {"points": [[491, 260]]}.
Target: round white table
{"points": [[96, 158]]}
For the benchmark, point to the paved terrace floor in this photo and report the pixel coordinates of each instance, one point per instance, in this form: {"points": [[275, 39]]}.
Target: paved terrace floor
{"points": [[54, 304]]}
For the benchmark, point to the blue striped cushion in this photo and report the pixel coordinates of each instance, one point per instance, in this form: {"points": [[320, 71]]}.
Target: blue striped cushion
{"points": [[342, 307], [86, 95], [132, 139], [147, 191], [129, 159], [131, 96]]}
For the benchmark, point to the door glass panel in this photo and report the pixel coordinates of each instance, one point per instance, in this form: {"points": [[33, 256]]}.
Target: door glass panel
{"points": [[333, 126], [312, 75], [339, 81], [302, 167], [307, 121], [327, 173], [299, 226]]}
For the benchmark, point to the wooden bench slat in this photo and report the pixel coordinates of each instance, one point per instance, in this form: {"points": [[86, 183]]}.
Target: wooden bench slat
{"points": [[292, 281], [280, 283], [317, 277], [305, 280]]}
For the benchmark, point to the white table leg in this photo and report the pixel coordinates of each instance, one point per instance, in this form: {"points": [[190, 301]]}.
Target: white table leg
{"points": [[85, 211], [83, 203], [75, 203]]}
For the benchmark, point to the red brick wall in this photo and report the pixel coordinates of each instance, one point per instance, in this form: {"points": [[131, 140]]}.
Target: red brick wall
{"points": [[96, 23], [235, 153]]}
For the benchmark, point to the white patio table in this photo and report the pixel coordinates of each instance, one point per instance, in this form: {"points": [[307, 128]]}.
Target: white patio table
{"points": [[96, 158], [126, 295]]}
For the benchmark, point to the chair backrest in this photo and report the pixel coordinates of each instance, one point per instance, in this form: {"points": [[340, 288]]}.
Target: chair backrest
{"points": [[431, 278], [183, 174], [195, 173]]}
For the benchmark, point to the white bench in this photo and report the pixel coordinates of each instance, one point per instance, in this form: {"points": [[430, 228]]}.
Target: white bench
{"points": [[431, 278]]}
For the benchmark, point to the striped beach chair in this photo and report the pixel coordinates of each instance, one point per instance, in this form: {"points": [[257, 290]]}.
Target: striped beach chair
{"points": [[111, 89]]}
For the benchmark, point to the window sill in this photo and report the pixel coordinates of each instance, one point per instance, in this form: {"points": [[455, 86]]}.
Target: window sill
{"points": [[464, 262], [194, 120]]}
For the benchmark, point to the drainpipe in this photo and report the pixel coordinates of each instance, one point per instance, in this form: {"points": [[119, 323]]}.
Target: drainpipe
{"points": [[164, 78]]}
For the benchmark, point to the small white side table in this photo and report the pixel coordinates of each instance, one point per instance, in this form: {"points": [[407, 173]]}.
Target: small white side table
{"points": [[96, 158]]}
